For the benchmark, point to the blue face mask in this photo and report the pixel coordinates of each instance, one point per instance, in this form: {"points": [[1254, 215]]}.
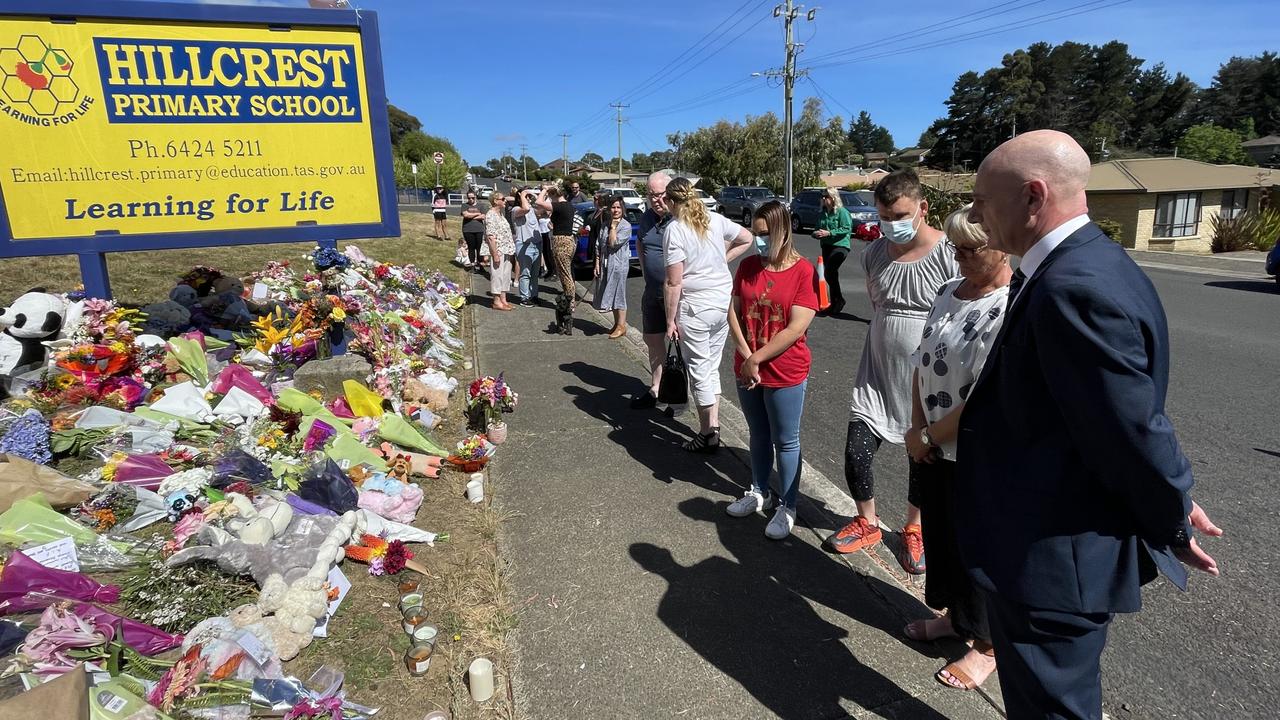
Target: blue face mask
{"points": [[900, 232], [762, 246]]}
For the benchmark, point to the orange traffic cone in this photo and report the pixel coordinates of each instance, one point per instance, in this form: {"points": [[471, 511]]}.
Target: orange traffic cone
{"points": [[824, 293]]}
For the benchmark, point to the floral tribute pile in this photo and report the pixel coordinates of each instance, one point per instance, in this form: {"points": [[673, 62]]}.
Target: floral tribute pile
{"points": [[221, 453]]}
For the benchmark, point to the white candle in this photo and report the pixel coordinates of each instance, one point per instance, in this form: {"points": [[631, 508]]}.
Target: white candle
{"points": [[475, 491], [480, 679]]}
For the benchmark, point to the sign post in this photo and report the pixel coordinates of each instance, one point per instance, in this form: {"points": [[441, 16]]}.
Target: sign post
{"points": [[141, 126], [414, 167], [438, 157]]}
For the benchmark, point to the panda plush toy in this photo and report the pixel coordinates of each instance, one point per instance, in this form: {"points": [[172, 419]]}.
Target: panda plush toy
{"points": [[33, 318]]}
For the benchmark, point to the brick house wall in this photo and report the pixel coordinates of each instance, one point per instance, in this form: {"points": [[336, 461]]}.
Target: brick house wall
{"points": [[1136, 213]]}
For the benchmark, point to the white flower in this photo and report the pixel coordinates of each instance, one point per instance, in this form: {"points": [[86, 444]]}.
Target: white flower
{"points": [[192, 481]]}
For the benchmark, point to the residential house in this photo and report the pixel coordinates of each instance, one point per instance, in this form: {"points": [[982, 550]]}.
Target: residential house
{"points": [[558, 166], [842, 176], [876, 158], [1263, 150], [912, 156], [1166, 203]]}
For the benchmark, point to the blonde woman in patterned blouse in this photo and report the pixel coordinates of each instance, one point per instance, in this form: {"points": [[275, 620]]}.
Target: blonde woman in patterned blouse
{"points": [[502, 250]]}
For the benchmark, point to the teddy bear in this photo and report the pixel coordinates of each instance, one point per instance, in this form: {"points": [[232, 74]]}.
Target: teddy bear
{"points": [[34, 317], [226, 303], [166, 318]]}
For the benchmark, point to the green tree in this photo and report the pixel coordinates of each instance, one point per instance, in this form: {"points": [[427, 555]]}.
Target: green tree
{"points": [[1246, 88], [1212, 144], [927, 139], [592, 159], [401, 123], [417, 147], [866, 136]]}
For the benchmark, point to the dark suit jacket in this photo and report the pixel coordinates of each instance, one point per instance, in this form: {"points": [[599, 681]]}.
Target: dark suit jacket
{"points": [[1070, 481]]}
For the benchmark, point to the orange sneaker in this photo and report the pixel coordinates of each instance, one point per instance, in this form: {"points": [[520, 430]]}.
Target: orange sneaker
{"points": [[857, 535], [911, 554]]}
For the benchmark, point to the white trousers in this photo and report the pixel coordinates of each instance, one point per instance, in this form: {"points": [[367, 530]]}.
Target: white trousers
{"points": [[500, 277], [702, 336]]}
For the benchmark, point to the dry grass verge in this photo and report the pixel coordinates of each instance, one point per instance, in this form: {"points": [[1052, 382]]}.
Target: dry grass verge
{"points": [[466, 589]]}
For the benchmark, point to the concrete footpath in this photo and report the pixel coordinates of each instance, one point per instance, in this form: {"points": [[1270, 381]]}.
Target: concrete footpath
{"points": [[639, 597]]}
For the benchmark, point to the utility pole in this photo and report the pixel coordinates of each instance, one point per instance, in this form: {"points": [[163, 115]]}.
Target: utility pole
{"points": [[789, 11], [1102, 149], [564, 154], [618, 107], [524, 164]]}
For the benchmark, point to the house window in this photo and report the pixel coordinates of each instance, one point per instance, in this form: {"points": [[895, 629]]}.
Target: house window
{"points": [[1177, 215], [1234, 203]]}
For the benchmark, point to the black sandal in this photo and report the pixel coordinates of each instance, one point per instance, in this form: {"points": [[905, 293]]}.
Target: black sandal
{"points": [[705, 444]]}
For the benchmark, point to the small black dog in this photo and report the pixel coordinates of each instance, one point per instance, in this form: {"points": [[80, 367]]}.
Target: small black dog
{"points": [[564, 314]]}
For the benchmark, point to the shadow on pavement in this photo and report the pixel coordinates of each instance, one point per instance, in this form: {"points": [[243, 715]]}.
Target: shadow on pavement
{"points": [[1267, 287], [749, 617], [648, 436]]}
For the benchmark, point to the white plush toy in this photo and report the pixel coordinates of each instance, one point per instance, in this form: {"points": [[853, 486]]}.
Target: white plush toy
{"points": [[33, 318], [289, 555]]}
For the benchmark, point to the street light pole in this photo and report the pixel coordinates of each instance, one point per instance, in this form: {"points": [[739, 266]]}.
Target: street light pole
{"points": [[789, 11], [524, 162], [618, 107]]}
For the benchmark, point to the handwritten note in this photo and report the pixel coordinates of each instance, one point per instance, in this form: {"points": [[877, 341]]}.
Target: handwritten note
{"points": [[59, 554]]}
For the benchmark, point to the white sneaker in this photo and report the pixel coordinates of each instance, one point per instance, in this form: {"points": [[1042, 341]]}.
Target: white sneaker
{"points": [[780, 526], [750, 503]]}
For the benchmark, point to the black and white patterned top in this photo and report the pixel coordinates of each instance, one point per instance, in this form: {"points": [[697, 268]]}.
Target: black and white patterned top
{"points": [[957, 338]]}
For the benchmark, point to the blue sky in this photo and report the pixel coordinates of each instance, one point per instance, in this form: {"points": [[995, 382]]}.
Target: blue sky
{"points": [[490, 76]]}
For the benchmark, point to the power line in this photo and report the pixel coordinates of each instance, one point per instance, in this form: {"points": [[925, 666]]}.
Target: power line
{"points": [[696, 65], [949, 23], [673, 62], [827, 96], [604, 113], [1089, 7], [705, 103], [700, 98]]}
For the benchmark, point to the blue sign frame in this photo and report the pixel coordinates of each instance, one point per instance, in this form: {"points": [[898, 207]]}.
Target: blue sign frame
{"points": [[91, 249]]}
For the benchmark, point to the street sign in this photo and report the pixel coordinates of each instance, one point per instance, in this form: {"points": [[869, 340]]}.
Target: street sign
{"points": [[438, 157], [145, 126], [414, 167]]}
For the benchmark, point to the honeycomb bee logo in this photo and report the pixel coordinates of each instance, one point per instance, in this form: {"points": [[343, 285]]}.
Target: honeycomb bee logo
{"points": [[37, 77]]}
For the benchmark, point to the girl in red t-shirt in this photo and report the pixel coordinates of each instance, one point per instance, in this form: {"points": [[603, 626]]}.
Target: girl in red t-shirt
{"points": [[775, 297]]}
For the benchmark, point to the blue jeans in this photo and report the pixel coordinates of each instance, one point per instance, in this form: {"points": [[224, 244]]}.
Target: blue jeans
{"points": [[527, 254], [773, 415]]}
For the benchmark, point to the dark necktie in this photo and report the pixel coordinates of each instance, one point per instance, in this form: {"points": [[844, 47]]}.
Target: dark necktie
{"points": [[1015, 285]]}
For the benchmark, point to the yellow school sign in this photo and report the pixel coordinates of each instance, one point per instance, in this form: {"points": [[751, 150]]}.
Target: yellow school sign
{"points": [[229, 125]]}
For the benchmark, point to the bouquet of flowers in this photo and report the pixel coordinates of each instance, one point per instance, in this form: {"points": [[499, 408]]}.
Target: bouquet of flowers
{"points": [[382, 557], [472, 453], [867, 232], [493, 396], [326, 258]]}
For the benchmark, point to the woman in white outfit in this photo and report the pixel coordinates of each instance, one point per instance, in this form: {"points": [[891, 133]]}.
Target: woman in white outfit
{"points": [[697, 246]]}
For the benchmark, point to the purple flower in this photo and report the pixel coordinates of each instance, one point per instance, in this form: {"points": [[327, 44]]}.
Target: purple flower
{"points": [[28, 437]]}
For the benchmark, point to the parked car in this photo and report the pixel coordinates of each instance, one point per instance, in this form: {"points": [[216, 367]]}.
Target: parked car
{"points": [[584, 257], [740, 203], [706, 199], [1273, 262], [806, 208], [632, 199], [482, 191]]}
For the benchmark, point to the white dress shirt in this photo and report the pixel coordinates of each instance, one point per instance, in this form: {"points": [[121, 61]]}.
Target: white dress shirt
{"points": [[1045, 245]]}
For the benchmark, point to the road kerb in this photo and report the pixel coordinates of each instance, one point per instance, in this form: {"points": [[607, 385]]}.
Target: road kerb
{"points": [[818, 491]]}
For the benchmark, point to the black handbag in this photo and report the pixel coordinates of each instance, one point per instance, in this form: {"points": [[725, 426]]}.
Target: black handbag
{"points": [[674, 387]]}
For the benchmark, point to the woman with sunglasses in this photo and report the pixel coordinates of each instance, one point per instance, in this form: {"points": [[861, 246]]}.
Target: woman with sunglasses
{"points": [[960, 331]]}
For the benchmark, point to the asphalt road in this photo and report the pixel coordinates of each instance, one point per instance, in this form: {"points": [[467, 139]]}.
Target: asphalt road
{"points": [[1209, 653]]}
